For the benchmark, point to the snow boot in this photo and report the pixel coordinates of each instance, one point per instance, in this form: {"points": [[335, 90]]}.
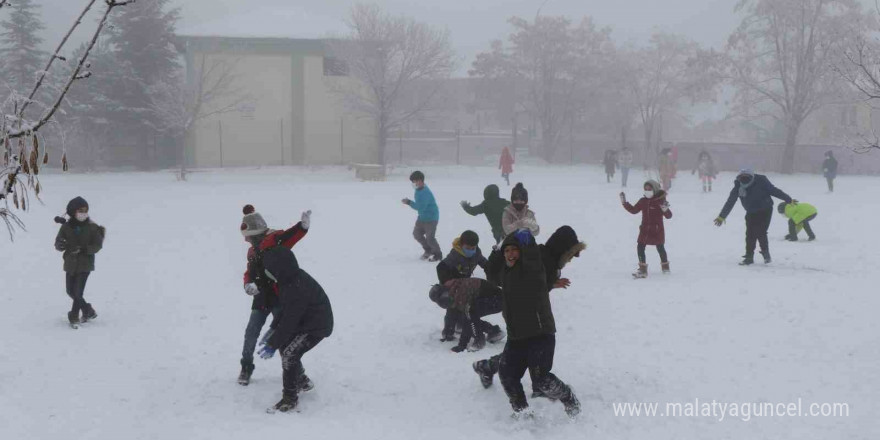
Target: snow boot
{"points": [[747, 260], [571, 403], [665, 268], [790, 237], [435, 257], [88, 313], [642, 271], [495, 335], [73, 318], [477, 344], [425, 256], [305, 384], [767, 259], [482, 369], [244, 378], [287, 403]]}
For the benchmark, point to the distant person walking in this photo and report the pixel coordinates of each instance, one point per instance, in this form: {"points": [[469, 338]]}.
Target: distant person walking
{"points": [[625, 161], [506, 164], [829, 169], [610, 162], [707, 170], [666, 168]]}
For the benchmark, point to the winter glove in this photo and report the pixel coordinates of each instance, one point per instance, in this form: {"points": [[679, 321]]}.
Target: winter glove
{"points": [[406, 201], [306, 219], [61, 245], [664, 207], [465, 204], [265, 339], [524, 237], [266, 352], [622, 198], [251, 289], [459, 348], [719, 221]]}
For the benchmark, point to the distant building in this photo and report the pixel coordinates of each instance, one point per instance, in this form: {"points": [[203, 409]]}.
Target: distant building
{"points": [[296, 117]]}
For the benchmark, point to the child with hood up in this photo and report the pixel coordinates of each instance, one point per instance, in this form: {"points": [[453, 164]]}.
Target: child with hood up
{"points": [[493, 207], [80, 239], [654, 209]]}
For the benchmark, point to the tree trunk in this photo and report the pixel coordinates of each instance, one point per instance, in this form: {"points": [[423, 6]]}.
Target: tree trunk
{"points": [[649, 134], [383, 141], [791, 133]]}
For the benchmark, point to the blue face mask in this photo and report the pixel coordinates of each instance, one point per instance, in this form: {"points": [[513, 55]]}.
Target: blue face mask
{"points": [[469, 252]]}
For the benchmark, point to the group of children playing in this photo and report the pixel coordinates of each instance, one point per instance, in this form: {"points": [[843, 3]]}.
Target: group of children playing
{"points": [[520, 273]]}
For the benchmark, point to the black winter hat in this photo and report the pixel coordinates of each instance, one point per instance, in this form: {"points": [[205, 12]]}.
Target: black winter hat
{"points": [[440, 295], [781, 207], [469, 238], [519, 193], [417, 175], [75, 204]]}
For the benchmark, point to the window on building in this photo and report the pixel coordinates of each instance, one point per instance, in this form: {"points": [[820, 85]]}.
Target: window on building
{"points": [[335, 67]]}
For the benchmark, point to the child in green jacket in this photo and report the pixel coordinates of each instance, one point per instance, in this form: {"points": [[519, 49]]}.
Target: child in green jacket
{"points": [[799, 215]]}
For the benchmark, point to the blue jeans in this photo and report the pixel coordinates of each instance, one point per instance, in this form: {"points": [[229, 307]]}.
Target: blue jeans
{"points": [[252, 333]]}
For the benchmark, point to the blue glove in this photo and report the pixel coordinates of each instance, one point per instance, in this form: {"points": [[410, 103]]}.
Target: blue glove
{"points": [[524, 237], [265, 339], [266, 352]]}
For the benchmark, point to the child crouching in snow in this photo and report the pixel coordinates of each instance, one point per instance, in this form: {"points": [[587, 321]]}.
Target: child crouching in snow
{"points": [[80, 239], [461, 262], [654, 209], [799, 215], [472, 299]]}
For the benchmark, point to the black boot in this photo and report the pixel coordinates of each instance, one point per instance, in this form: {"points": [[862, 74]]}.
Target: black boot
{"points": [[571, 403], [748, 259], [88, 313], [287, 403], [766, 255], [483, 370], [305, 384], [244, 378], [495, 335], [73, 318]]}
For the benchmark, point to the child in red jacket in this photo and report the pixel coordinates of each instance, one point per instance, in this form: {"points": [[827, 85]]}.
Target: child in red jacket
{"points": [[654, 208], [256, 284]]}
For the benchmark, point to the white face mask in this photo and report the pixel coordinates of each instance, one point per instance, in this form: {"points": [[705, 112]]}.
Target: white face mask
{"points": [[82, 216], [415, 185], [649, 194]]}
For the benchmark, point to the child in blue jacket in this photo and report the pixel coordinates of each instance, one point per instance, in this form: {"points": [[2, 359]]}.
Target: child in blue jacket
{"points": [[429, 215]]}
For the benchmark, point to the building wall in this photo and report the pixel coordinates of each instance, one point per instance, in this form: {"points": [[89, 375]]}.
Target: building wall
{"points": [[333, 135], [260, 137]]}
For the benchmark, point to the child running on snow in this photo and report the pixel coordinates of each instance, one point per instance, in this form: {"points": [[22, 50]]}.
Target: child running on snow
{"points": [[429, 215], [799, 215], [80, 239], [472, 299], [257, 284], [531, 329], [654, 209], [493, 207]]}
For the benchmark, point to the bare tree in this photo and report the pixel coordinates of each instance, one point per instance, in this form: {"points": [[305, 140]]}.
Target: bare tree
{"points": [[555, 62], [781, 56], [397, 64], [212, 89], [860, 67], [21, 165], [664, 74]]}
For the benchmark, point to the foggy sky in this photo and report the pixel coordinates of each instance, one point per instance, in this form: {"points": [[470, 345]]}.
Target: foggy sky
{"points": [[472, 23]]}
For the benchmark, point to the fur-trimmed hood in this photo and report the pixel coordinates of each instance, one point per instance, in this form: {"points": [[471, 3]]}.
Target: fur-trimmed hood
{"points": [[564, 245]]}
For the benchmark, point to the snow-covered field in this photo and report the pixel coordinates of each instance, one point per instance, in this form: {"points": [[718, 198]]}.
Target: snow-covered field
{"points": [[161, 360]]}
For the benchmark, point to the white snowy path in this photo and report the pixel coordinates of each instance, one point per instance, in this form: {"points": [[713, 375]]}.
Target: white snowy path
{"points": [[161, 360]]}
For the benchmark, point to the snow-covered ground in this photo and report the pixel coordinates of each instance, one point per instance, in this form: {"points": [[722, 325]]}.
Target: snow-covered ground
{"points": [[161, 360]]}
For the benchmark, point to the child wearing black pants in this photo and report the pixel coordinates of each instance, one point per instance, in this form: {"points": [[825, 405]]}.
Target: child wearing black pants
{"points": [[79, 238]]}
